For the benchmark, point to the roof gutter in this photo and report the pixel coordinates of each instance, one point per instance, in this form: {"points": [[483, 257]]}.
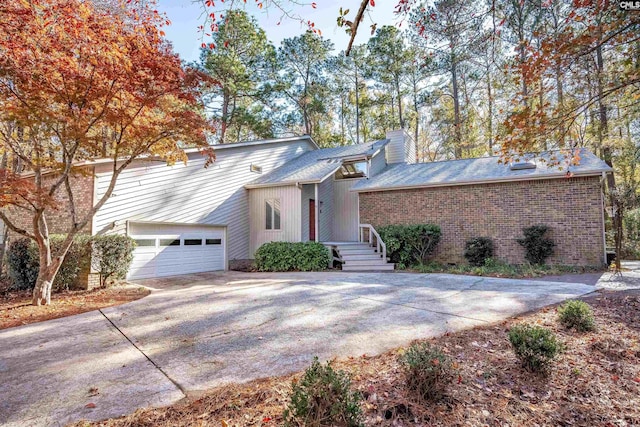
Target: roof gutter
{"points": [[492, 181]]}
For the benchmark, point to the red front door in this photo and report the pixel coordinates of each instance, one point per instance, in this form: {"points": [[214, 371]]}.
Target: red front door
{"points": [[312, 220]]}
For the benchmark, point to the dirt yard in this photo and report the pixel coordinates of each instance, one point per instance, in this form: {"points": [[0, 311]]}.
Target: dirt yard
{"points": [[16, 308], [594, 382]]}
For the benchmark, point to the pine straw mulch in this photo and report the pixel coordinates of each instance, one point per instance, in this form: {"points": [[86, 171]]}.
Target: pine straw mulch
{"points": [[595, 382], [16, 308]]}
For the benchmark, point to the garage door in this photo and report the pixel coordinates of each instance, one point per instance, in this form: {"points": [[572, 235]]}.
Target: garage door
{"points": [[172, 249]]}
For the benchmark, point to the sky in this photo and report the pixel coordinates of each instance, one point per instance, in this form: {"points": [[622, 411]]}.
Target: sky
{"points": [[185, 17]]}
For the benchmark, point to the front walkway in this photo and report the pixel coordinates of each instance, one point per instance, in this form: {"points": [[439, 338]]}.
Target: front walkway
{"points": [[196, 332]]}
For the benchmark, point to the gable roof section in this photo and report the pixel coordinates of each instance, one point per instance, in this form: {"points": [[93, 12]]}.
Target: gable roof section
{"points": [[256, 142], [315, 166], [476, 171]]}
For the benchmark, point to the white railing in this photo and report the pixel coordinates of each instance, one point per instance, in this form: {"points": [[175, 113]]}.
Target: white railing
{"points": [[381, 248]]}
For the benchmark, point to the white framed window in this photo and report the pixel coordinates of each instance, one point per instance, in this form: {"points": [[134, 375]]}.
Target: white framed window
{"points": [[272, 214]]}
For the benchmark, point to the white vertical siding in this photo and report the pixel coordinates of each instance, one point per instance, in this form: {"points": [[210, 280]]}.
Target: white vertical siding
{"points": [[153, 191], [290, 216], [345, 211], [410, 154], [307, 194], [378, 163], [401, 148], [325, 223]]}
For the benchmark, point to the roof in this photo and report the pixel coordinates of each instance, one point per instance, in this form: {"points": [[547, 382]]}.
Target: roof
{"points": [[317, 165], [216, 147], [252, 143], [479, 170]]}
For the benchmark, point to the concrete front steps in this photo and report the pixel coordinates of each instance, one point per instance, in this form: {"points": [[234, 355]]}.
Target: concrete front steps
{"points": [[361, 257]]}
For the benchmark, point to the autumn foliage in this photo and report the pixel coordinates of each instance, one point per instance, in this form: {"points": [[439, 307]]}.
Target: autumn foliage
{"points": [[78, 83]]}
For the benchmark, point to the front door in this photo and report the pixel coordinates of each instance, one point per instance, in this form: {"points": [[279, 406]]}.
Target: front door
{"points": [[312, 220]]}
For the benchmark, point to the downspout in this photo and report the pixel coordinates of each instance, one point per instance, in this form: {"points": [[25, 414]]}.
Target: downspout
{"points": [[604, 234], [317, 209]]}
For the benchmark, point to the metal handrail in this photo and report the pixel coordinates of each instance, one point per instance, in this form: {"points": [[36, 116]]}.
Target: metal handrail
{"points": [[381, 247]]}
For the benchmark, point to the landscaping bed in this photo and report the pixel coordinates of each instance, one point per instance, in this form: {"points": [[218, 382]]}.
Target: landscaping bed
{"points": [[16, 308], [499, 269], [594, 381]]}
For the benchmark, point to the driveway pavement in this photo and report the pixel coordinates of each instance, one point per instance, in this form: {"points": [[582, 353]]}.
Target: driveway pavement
{"points": [[199, 331]]}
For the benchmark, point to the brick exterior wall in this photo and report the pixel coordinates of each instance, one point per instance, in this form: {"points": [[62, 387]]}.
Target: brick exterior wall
{"points": [[571, 207], [58, 221]]}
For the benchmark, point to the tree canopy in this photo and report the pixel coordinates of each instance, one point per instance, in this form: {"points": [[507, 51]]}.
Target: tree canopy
{"points": [[79, 84]]}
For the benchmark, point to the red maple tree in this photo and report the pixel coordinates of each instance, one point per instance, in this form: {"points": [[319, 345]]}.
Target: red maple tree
{"points": [[78, 83]]}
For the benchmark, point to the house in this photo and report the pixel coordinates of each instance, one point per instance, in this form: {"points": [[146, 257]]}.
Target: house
{"points": [[186, 218]]}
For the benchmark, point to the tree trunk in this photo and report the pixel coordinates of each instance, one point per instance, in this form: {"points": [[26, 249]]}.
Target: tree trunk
{"points": [[603, 133], [357, 110], [456, 112], [560, 95], [416, 109], [49, 267], [489, 114], [225, 116], [400, 117]]}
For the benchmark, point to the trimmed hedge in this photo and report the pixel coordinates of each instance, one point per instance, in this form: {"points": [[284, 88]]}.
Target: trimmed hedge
{"points": [[537, 247], [23, 259], [410, 244], [112, 257], [288, 256], [478, 250], [22, 264]]}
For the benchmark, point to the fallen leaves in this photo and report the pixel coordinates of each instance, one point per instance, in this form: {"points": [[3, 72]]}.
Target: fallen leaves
{"points": [[16, 309]]}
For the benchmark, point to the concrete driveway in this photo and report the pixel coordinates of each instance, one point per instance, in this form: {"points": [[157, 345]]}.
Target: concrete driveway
{"points": [[199, 331]]}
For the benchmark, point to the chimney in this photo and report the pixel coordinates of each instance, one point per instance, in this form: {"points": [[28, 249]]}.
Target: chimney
{"points": [[401, 148]]}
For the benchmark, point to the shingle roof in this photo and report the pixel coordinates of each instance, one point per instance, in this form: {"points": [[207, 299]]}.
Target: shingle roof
{"points": [[484, 169], [316, 165]]}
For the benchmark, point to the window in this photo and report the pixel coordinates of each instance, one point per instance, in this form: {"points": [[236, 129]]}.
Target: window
{"points": [[145, 242], [352, 170], [272, 210], [192, 242], [169, 242], [214, 241]]}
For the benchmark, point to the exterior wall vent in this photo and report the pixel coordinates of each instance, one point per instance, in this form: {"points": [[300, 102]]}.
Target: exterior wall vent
{"points": [[256, 168], [517, 166]]}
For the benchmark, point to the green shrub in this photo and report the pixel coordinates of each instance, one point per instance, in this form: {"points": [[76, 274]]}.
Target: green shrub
{"points": [[427, 370], [115, 254], [112, 257], [578, 315], [478, 250], [537, 247], [287, 256], [410, 244], [535, 346], [78, 259], [323, 397], [22, 264]]}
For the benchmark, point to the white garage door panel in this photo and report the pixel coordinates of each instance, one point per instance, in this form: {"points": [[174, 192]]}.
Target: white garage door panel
{"points": [[161, 260]]}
